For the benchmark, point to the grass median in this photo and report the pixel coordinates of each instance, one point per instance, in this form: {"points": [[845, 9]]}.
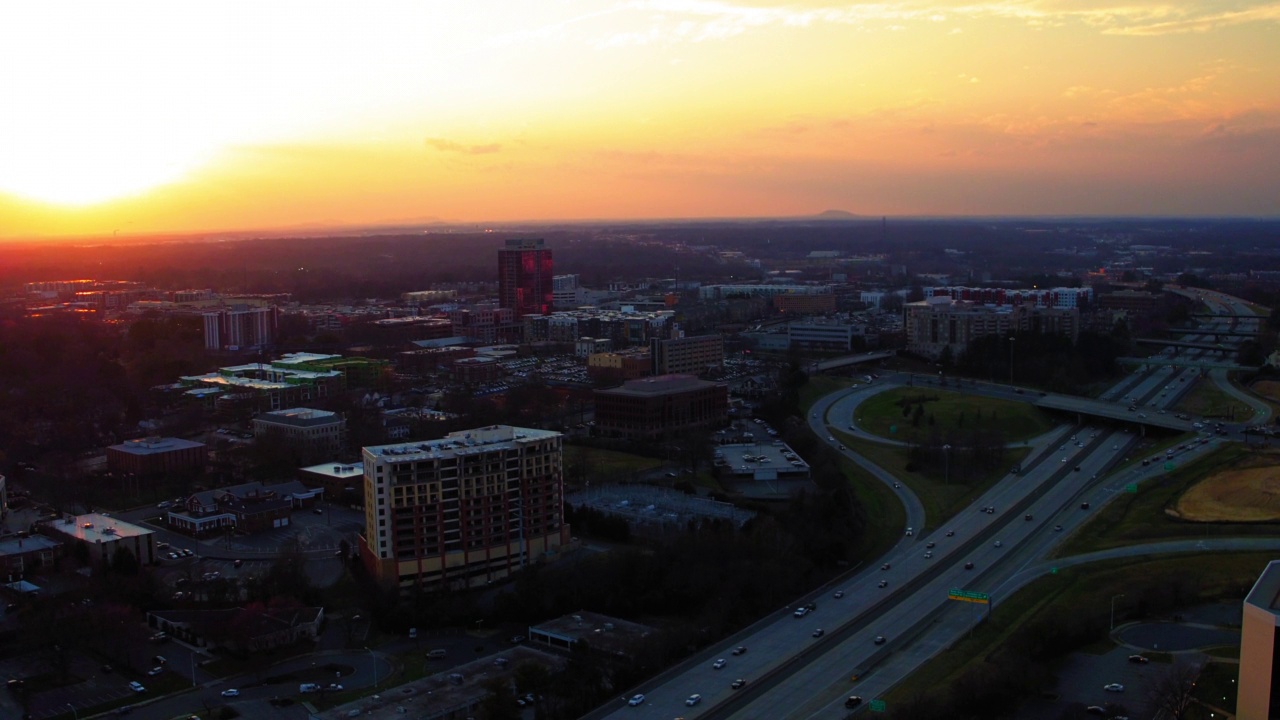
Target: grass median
{"points": [[893, 415], [1144, 516], [1086, 591]]}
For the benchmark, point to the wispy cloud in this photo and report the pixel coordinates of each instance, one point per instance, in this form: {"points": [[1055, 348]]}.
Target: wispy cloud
{"points": [[678, 21], [450, 146]]}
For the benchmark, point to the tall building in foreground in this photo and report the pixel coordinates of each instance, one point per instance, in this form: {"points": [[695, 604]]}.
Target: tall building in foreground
{"points": [[1258, 695], [525, 282], [463, 510]]}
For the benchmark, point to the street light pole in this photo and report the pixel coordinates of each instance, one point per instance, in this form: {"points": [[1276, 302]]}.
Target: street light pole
{"points": [[1113, 610], [374, 659], [946, 463]]}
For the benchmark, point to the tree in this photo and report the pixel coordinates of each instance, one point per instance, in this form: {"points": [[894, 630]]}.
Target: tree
{"points": [[1171, 692]]}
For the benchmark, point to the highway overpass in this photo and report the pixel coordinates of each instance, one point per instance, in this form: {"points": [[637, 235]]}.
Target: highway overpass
{"points": [[850, 360], [1112, 411]]}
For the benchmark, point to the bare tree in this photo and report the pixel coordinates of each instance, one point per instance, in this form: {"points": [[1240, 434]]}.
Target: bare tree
{"points": [[1172, 691]]}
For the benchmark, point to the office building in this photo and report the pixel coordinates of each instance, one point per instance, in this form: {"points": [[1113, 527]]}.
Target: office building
{"points": [[317, 433], [660, 407], [464, 510], [156, 455], [103, 535], [686, 355], [524, 277]]}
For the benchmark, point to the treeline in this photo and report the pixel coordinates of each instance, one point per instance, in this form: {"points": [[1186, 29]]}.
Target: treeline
{"points": [[1049, 360]]}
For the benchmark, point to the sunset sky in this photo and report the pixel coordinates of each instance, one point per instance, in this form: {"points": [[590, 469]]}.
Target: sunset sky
{"points": [[141, 117]]}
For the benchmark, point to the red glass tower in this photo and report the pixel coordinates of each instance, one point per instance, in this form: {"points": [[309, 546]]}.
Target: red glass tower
{"points": [[524, 277]]}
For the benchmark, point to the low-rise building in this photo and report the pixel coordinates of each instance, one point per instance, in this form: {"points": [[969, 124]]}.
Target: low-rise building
{"points": [[660, 407], [156, 455], [938, 324], [686, 355], [317, 433], [104, 536]]}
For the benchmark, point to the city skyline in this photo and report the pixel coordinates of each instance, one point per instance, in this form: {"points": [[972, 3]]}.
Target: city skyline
{"points": [[154, 118]]}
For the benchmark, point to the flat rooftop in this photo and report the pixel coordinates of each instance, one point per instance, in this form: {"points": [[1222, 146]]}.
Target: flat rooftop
{"points": [[300, 417], [660, 385], [445, 694], [16, 546], [155, 445], [95, 528], [462, 442], [337, 470]]}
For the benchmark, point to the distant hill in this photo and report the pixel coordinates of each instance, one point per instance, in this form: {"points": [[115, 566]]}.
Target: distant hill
{"points": [[837, 215]]}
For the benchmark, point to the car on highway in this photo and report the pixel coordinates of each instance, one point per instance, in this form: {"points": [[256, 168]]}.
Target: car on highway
{"points": [[737, 684], [1057, 528], [693, 699], [897, 485], [740, 650], [951, 533], [636, 700], [1084, 506], [910, 532], [999, 544], [230, 692], [968, 566], [718, 664], [838, 594], [927, 555], [885, 566], [883, 584], [852, 701], [800, 612], [930, 545], [1139, 659], [1028, 517], [879, 640], [819, 633], [1113, 687]]}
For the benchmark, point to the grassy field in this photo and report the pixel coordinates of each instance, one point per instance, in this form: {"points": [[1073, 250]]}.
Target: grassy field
{"points": [[1142, 517], [1088, 590], [882, 415], [1206, 399], [1246, 492], [941, 500], [607, 463]]}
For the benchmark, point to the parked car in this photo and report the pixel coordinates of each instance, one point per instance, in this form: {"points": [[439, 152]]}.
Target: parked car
{"points": [[137, 687], [230, 692], [1113, 687], [1139, 659]]}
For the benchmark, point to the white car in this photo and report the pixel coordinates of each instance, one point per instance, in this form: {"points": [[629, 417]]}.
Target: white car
{"points": [[636, 700], [719, 664], [693, 700], [155, 671], [999, 544], [231, 692], [1113, 687], [137, 687]]}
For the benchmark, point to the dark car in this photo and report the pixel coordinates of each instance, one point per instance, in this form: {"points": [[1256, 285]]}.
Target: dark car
{"points": [[1139, 659], [968, 566], [853, 701], [880, 640], [1084, 506], [819, 633], [739, 650], [737, 684]]}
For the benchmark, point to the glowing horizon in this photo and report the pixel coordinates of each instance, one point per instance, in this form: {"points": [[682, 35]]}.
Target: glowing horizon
{"points": [[255, 115]]}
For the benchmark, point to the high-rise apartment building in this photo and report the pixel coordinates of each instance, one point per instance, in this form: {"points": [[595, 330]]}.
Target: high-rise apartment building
{"points": [[524, 277], [1258, 694], [463, 510], [241, 327]]}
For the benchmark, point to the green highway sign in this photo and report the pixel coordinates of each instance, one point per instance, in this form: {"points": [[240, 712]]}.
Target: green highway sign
{"points": [[1169, 466], [967, 596], [876, 705], [1131, 488]]}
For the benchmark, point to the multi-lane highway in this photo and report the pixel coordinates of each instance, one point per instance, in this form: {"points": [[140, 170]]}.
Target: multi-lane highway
{"points": [[882, 621]]}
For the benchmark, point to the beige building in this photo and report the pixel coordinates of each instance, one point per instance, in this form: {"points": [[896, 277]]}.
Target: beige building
{"points": [[463, 510], [1258, 695], [318, 431], [686, 355], [937, 323]]}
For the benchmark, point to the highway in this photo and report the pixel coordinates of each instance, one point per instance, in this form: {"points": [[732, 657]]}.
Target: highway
{"points": [[791, 672]]}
